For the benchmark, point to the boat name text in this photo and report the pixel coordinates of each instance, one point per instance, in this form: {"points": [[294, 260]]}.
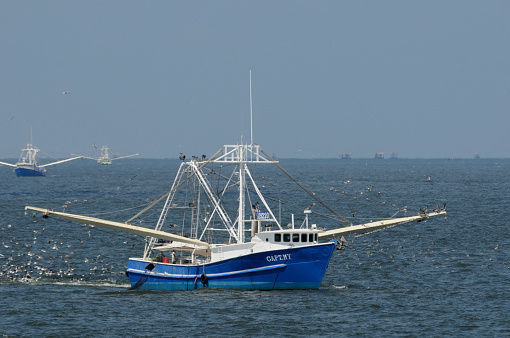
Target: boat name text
{"points": [[274, 258]]}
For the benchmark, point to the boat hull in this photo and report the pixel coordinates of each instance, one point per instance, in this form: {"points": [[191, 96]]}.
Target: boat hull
{"points": [[293, 268], [20, 172]]}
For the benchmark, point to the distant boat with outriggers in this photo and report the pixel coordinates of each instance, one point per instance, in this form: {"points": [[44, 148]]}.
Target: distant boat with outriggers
{"points": [[28, 163], [213, 220], [105, 159]]}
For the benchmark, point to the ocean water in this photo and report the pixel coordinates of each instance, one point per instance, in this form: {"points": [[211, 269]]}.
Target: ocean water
{"points": [[434, 278]]}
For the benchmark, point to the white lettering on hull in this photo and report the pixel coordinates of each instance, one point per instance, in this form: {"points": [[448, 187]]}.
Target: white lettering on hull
{"points": [[275, 258]]}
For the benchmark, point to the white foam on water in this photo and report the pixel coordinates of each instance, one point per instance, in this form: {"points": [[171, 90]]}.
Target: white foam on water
{"points": [[339, 286]]}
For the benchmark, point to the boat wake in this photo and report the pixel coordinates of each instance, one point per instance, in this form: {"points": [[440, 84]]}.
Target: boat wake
{"points": [[70, 282], [107, 284]]}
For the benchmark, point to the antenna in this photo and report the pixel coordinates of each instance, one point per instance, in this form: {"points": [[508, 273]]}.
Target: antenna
{"points": [[251, 114], [30, 142]]}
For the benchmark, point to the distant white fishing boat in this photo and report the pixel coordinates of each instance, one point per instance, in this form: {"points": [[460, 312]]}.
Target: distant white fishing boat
{"points": [[105, 159]]}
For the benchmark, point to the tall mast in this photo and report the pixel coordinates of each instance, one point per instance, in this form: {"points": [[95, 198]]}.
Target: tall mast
{"points": [[251, 114], [242, 170], [240, 218]]}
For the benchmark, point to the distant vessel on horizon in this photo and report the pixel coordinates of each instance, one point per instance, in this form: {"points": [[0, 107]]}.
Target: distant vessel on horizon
{"points": [[28, 164], [105, 159], [379, 156], [345, 156]]}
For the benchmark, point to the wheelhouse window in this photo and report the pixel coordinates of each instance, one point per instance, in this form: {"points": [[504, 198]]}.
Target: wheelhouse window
{"points": [[277, 237], [303, 238], [286, 237], [310, 238], [316, 237], [295, 237]]}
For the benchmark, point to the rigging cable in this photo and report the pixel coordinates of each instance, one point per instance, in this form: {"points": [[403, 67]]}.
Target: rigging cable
{"points": [[311, 193]]}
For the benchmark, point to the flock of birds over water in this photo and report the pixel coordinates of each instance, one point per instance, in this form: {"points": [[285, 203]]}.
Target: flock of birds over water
{"points": [[51, 256]]}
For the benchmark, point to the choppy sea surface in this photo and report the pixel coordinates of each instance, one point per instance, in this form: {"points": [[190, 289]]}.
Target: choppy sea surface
{"points": [[433, 278]]}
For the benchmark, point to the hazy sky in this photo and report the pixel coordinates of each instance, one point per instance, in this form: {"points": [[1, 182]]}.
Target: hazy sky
{"points": [[421, 78]]}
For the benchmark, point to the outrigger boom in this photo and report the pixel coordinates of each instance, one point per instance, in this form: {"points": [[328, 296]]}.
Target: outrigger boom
{"points": [[361, 228], [119, 226]]}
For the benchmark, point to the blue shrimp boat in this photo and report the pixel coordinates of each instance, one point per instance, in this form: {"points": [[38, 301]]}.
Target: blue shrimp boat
{"points": [[28, 164], [270, 259], [288, 268]]}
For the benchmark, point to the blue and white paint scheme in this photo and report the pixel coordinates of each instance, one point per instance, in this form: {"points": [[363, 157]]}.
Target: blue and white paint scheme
{"points": [[271, 259], [254, 266], [28, 164]]}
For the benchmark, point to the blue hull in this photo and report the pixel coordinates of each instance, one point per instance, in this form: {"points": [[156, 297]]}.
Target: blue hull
{"points": [[29, 172], [294, 268]]}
